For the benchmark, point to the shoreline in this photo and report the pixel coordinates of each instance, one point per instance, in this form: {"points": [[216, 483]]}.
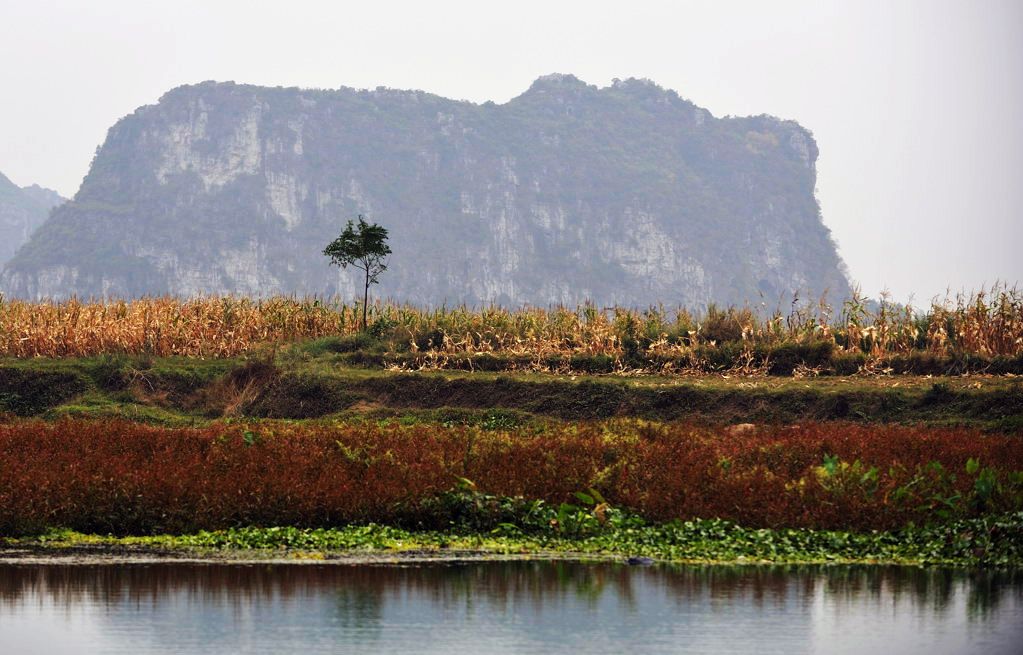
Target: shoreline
{"points": [[113, 554], [991, 542]]}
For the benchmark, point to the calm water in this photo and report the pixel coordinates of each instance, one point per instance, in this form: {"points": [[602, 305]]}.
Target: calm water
{"points": [[517, 607]]}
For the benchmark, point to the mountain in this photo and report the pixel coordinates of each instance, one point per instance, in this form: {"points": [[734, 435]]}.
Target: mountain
{"points": [[22, 210], [626, 194]]}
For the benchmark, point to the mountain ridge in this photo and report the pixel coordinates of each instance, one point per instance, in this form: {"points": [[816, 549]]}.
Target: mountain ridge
{"points": [[568, 192], [22, 210]]}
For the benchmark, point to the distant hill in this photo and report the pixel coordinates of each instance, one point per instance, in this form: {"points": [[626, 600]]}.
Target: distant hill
{"points": [[627, 194], [22, 210]]}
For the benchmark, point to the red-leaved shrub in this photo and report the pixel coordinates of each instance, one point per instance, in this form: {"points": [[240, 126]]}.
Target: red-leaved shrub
{"points": [[122, 477]]}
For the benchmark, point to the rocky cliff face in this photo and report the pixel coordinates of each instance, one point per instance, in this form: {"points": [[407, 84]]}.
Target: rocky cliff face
{"points": [[22, 210], [626, 194]]}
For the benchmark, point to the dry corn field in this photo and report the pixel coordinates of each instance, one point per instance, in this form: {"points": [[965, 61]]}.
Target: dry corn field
{"points": [[986, 323]]}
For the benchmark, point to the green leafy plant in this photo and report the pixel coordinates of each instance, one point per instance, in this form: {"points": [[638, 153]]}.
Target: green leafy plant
{"points": [[364, 246]]}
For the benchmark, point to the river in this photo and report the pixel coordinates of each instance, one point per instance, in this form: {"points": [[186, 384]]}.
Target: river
{"points": [[506, 607]]}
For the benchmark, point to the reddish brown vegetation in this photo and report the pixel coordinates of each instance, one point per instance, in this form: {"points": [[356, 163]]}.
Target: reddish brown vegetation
{"points": [[128, 478]]}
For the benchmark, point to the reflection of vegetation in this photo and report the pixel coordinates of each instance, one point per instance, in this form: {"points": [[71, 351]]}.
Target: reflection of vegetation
{"points": [[987, 588], [362, 593], [588, 584], [360, 607]]}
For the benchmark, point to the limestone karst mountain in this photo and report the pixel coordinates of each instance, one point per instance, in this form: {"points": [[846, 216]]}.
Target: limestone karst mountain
{"points": [[626, 194], [22, 210]]}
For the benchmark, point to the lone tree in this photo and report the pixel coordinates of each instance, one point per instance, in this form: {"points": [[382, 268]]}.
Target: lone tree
{"points": [[363, 246]]}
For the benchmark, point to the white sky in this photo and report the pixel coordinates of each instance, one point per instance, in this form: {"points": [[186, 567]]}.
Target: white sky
{"points": [[916, 105]]}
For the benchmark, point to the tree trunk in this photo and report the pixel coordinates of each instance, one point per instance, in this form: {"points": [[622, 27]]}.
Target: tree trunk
{"points": [[365, 301]]}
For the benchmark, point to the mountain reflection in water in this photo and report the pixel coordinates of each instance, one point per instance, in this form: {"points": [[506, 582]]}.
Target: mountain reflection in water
{"points": [[506, 607]]}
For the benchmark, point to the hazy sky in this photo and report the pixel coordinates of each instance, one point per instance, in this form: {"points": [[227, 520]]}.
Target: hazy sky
{"points": [[916, 105]]}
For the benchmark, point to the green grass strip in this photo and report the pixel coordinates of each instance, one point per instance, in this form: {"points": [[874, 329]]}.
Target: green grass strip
{"points": [[989, 542]]}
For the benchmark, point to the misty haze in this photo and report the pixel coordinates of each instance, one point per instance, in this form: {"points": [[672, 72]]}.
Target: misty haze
{"points": [[533, 327]]}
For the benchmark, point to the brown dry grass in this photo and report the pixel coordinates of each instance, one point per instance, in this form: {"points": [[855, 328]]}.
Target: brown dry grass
{"points": [[987, 323]]}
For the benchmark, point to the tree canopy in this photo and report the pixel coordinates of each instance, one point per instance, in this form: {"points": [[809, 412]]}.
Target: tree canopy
{"points": [[364, 246]]}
